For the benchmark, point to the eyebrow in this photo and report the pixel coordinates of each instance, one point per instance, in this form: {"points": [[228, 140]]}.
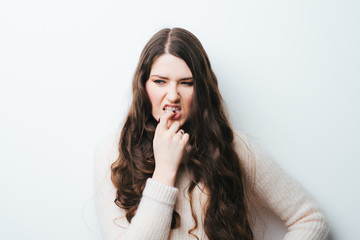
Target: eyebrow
{"points": [[182, 79]]}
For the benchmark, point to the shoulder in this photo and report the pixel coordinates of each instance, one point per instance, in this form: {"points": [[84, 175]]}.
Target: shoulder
{"points": [[255, 162], [105, 154], [111, 218], [245, 146], [248, 156], [107, 149]]}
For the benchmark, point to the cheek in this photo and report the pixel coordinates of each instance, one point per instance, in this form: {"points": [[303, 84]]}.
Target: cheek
{"points": [[154, 96], [189, 98]]}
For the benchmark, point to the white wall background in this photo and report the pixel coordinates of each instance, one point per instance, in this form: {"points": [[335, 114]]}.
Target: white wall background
{"points": [[289, 72]]}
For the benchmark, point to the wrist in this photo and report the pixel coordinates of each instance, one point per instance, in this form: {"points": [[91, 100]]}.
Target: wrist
{"points": [[165, 176]]}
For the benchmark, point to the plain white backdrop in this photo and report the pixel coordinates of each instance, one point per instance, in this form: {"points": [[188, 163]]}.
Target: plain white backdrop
{"points": [[289, 72]]}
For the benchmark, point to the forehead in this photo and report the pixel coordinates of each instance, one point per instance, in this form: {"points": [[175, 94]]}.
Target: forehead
{"points": [[170, 66]]}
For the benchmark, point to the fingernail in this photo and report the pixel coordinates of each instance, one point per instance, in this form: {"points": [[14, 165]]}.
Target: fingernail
{"points": [[159, 120]]}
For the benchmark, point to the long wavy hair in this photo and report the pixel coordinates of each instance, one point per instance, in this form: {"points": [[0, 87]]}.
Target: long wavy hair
{"points": [[212, 159]]}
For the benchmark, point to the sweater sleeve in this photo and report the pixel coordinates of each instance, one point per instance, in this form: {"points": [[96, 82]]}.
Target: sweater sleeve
{"points": [[281, 194], [154, 214]]}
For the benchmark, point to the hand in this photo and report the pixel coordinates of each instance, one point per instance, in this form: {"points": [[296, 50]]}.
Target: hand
{"points": [[169, 144]]}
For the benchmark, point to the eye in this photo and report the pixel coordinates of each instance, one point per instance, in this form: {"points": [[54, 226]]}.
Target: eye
{"points": [[187, 83], [158, 81]]}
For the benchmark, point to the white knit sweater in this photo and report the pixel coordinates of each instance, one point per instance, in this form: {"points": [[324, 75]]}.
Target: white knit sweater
{"points": [[266, 183]]}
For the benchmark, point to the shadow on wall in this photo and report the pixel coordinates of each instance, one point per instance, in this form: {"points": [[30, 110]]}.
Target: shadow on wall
{"points": [[330, 236]]}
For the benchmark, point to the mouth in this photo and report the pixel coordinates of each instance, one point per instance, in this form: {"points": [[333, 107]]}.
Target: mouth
{"points": [[175, 109]]}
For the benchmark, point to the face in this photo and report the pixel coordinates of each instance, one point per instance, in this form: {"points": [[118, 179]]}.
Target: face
{"points": [[170, 88]]}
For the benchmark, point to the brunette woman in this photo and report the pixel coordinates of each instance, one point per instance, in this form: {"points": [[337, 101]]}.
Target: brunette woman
{"points": [[178, 170]]}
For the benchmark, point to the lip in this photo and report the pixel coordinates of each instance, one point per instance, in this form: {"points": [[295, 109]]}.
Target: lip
{"points": [[178, 113], [177, 116]]}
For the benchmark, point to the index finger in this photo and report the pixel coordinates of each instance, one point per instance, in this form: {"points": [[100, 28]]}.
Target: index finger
{"points": [[164, 119]]}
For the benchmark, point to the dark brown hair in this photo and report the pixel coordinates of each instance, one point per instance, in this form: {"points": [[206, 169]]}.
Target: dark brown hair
{"points": [[212, 159]]}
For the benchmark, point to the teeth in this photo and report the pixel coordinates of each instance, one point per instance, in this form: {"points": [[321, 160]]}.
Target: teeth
{"points": [[172, 109]]}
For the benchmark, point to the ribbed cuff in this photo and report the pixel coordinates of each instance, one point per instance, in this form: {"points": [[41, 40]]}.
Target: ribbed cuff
{"points": [[160, 192]]}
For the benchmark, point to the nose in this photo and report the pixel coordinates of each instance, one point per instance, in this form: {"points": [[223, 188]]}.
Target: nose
{"points": [[173, 93]]}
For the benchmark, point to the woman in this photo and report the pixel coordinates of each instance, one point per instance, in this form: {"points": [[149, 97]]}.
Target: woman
{"points": [[179, 171]]}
